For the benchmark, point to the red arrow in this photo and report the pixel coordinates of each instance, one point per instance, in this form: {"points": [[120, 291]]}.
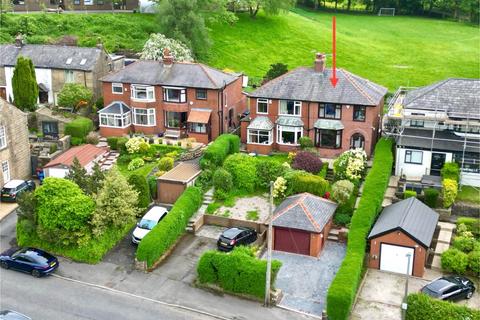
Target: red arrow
{"points": [[333, 78]]}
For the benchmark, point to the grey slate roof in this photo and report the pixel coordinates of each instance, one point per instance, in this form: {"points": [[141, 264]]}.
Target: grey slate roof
{"points": [[180, 74], [261, 123], [422, 139], [289, 121], [412, 217], [116, 107], [454, 96], [304, 212], [305, 84], [329, 124], [51, 56]]}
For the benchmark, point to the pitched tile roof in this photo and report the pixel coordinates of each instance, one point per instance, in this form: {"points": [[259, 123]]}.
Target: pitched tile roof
{"points": [[305, 84], [304, 212], [51, 56], [457, 97], [412, 217], [85, 154], [179, 74], [261, 123]]}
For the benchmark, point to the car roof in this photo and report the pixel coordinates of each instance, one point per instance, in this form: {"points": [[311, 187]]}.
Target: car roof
{"points": [[155, 213], [233, 232], [12, 315], [441, 284], [13, 183]]}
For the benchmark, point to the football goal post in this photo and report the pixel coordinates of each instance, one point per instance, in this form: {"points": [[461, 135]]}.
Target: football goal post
{"points": [[386, 12]]}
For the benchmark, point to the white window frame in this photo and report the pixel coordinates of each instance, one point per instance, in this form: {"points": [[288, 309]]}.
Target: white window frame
{"points": [[126, 119], [262, 101], [295, 130], [117, 85], [410, 154], [297, 106], [3, 137], [69, 76], [6, 171], [182, 98], [150, 114], [149, 93], [200, 128], [258, 133]]}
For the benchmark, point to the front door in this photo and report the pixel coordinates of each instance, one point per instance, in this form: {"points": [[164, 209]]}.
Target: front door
{"points": [[438, 160]]}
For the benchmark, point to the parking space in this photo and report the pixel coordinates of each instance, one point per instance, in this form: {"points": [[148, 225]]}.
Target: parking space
{"points": [[305, 280]]}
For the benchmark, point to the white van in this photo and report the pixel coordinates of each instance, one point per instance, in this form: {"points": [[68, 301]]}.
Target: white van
{"points": [[149, 220]]}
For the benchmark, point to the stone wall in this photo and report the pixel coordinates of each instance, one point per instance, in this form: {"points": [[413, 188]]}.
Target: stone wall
{"points": [[466, 209]]}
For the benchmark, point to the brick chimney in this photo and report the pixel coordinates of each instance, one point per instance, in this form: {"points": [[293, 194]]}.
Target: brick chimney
{"points": [[320, 61], [167, 57], [19, 40]]}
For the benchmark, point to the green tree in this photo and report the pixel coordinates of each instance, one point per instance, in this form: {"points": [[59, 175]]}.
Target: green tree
{"points": [[74, 95], [27, 205], [97, 178], [24, 83], [276, 70], [5, 6], [271, 7], [116, 203], [140, 184], [78, 175], [63, 212]]}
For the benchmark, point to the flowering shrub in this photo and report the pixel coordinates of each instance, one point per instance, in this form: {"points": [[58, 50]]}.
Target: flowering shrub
{"points": [[165, 164], [279, 188], [450, 189], [291, 157], [137, 144], [153, 48], [135, 164], [307, 161], [342, 190], [350, 165]]}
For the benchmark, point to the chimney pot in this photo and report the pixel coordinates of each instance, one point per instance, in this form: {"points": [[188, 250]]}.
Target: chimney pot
{"points": [[320, 62], [19, 40], [167, 57]]}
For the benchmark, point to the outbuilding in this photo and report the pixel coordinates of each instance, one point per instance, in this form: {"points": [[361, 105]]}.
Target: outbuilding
{"points": [[401, 237], [172, 184], [301, 224]]}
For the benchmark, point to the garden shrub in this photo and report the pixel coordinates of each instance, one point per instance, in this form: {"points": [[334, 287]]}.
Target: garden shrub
{"points": [[165, 164], [267, 171], [92, 138], [74, 141], [450, 170], [238, 272], [112, 142], [135, 164], [165, 234], [409, 194], [463, 243], [305, 143], [204, 180], [307, 161], [454, 260], [243, 169], [301, 181], [79, 128], [121, 144], [474, 261], [342, 190], [349, 206], [342, 219], [159, 173], [137, 145], [472, 224], [140, 184], [431, 197], [279, 188], [222, 180], [350, 165], [152, 185], [422, 307], [450, 190], [324, 171], [218, 151], [343, 288]]}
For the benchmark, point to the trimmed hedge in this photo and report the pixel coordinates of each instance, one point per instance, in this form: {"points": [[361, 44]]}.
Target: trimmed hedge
{"points": [[450, 170], [343, 289], [431, 197], [237, 272], [166, 233], [301, 181], [422, 307], [140, 184], [79, 128], [218, 151], [243, 169], [409, 194]]}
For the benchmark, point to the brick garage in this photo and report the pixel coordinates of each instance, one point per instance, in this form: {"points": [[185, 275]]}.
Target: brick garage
{"points": [[301, 224], [171, 185], [403, 228]]}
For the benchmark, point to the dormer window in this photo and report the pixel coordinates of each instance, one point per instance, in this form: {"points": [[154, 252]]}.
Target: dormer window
{"points": [[174, 94], [83, 61], [69, 61], [143, 93]]}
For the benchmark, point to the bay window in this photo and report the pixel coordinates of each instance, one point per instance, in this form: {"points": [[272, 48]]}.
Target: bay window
{"points": [[290, 108], [144, 117], [330, 111], [262, 106], [326, 138], [289, 135], [174, 94], [115, 120], [143, 93], [259, 136]]}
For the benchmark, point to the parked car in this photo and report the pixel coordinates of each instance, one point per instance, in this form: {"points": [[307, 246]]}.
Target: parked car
{"points": [[149, 220], [12, 315], [450, 288], [29, 260], [236, 236], [12, 189]]}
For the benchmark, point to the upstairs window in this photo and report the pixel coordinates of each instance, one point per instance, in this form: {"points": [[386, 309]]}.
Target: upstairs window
{"points": [[330, 111], [262, 106], [3, 137], [359, 113], [69, 78], [290, 108], [143, 93], [201, 94], [117, 88], [174, 95]]}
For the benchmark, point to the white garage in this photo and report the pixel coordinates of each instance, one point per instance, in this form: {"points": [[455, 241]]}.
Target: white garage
{"points": [[394, 258]]}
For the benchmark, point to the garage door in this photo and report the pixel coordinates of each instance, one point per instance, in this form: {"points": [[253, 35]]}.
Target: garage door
{"points": [[291, 240], [394, 258]]}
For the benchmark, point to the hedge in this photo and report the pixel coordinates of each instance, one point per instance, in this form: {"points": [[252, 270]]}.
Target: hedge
{"points": [[473, 225], [79, 128], [166, 233], [422, 307], [301, 181], [243, 169], [237, 272], [343, 289], [218, 151], [450, 170], [431, 197], [140, 184]]}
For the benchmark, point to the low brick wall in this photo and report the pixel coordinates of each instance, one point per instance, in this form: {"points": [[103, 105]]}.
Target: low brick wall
{"points": [[230, 222]]}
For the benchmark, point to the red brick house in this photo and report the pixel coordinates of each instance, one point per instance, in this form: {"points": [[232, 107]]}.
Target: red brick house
{"points": [[175, 99], [303, 102]]}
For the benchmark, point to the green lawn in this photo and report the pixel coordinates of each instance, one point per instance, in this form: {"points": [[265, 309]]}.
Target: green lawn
{"points": [[469, 194], [391, 51]]}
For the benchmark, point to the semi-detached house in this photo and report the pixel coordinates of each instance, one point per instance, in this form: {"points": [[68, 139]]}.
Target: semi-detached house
{"points": [[173, 99], [303, 102]]}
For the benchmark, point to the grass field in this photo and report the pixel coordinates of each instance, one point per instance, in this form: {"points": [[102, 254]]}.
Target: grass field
{"points": [[391, 51], [469, 194]]}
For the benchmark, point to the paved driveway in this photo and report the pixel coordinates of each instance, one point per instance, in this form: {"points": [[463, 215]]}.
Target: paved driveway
{"points": [[305, 280]]}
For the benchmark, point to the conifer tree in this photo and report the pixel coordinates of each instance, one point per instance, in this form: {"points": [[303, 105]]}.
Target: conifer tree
{"points": [[24, 83]]}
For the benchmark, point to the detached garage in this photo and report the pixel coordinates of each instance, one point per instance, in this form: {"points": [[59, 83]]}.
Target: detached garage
{"points": [[403, 229], [301, 224], [171, 185]]}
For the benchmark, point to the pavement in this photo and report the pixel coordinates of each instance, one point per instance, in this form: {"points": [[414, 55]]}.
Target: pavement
{"points": [[443, 243], [305, 280], [6, 208]]}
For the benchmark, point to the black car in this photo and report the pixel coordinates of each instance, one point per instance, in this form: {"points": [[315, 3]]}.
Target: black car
{"points": [[236, 236], [450, 288], [12, 189], [12, 315], [29, 260]]}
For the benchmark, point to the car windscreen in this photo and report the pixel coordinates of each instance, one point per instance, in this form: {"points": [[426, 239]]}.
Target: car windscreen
{"points": [[40, 259], [147, 224], [231, 233], [430, 292]]}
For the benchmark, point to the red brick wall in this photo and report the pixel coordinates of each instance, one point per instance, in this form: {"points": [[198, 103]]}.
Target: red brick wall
{"points": [[398, 238]]}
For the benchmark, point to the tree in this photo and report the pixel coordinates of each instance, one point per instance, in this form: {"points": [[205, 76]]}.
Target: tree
{"points": [[116, 203], [26, 209], [140, 184], [276, 70], [97, 178], [74, 95], [153, 48], [271, 7], [63, 212], [5, 6], [78, 175], [24, 83]]}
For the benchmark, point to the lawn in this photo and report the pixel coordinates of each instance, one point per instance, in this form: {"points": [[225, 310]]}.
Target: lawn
{"points": [[469, 194]]}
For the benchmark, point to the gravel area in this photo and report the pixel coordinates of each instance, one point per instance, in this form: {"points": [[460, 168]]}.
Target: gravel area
{"points": [[243, 206]]}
